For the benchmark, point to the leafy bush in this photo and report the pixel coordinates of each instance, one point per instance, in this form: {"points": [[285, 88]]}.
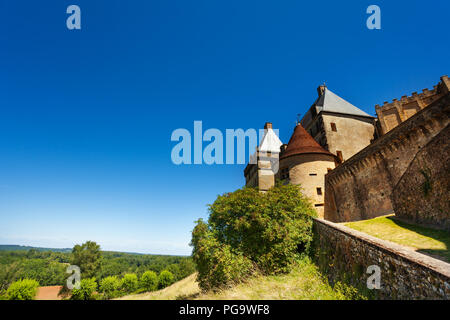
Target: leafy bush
{"points": [[25, 289], [217, 265], [129, 282], [86, 290], [148, 281], [110, 287], [165, 279], [248, 230]]}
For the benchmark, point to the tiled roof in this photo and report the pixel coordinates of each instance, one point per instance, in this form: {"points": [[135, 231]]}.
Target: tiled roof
{"points": [[301, 142]]}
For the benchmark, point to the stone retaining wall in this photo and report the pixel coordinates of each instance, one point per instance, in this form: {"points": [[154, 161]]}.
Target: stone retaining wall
{"points": [[345, 254]]}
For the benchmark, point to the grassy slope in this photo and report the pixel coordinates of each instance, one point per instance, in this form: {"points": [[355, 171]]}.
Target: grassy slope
{"points": [[425, 240], [304, 282], [185, 287]]}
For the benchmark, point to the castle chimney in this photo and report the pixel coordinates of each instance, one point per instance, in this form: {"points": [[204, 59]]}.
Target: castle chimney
{"points": [[268, 125], [321, 89]]}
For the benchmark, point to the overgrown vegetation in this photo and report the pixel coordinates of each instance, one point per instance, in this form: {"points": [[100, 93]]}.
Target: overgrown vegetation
{"points": [[248, 232], [304, 282], [426, 185]]}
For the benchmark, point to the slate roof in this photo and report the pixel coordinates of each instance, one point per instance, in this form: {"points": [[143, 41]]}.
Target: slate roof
{"points": [[331, 102]]}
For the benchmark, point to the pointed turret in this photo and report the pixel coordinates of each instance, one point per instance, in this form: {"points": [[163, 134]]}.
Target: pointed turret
{"points": [[301, 142]]}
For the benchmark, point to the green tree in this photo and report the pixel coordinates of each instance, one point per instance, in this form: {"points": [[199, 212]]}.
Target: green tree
{"points": [[8, 274], [25, 289], [187, 267], [148, 281], [129, 282], [248, 230], [88, 257], [110, 287], [86, 290], [165, 279]]}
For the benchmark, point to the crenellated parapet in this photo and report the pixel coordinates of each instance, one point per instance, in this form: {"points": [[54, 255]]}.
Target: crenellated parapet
{"points": [[391, 114]]}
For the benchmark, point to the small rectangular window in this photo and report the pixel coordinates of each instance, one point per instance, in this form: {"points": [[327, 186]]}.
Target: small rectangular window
{"points": [[319, 191], [313, 174], [318, 205], [333, 127], [339, 155], [284, 173]]}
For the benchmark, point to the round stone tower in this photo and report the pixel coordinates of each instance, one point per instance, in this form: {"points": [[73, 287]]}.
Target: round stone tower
{"points": [[304, 162]]}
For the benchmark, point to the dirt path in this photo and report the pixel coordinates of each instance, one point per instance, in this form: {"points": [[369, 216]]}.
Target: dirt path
{"points": [[48, 293]]}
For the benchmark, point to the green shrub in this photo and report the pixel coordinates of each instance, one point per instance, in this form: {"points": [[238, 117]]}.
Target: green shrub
{"points": [[248, 230], [217, 265], [110, 287], [86, 290], [148, 281], [129, 282], [25, 289], [165, 279]]}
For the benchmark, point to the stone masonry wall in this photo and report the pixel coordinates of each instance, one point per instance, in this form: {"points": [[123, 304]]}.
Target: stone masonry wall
{"points": [[362, 187], [345, 254], [423, 193]]}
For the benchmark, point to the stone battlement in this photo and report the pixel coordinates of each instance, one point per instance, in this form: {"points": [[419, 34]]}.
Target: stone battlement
{"points": [[391, 114]]}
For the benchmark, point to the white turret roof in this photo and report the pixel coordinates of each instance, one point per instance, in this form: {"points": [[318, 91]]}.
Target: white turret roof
{"points": [[270, 141]]}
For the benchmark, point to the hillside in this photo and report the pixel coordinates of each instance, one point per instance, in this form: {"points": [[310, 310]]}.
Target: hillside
{"points": [[48, 266], [15, 247], [304, 283]]}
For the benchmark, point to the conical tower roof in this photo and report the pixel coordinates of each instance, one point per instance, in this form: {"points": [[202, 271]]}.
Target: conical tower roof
{"points": [[301, 142]]}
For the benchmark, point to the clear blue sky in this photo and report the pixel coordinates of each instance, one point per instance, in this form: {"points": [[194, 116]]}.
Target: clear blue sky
{"points": [[86, 116]]}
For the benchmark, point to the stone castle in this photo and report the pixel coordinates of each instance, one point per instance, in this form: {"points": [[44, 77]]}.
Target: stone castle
{"points": [[354, 166]]}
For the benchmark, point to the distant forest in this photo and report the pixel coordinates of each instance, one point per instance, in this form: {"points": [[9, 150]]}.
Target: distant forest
{"points": [[48, 266]]}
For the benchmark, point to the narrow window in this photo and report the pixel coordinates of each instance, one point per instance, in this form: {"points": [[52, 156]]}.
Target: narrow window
{"points": [[318, 205], [313, 174], [333, 127], [319, 191], [284, 173], [339, 155]]}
